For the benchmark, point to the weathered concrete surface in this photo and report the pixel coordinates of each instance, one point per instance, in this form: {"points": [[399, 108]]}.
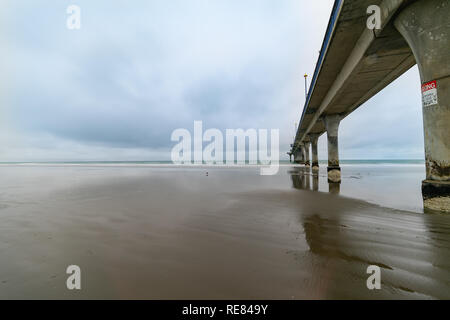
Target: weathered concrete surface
{"points": [[314, 138], [298, 156], [332, 126], [302, 148], [307, 155], [426, 27]]}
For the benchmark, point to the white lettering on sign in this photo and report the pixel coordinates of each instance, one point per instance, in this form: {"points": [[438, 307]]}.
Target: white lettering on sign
{"points": [[429, 94]]}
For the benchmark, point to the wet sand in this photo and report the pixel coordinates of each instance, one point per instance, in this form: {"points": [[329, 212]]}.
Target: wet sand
{"points": [[178, 233]]}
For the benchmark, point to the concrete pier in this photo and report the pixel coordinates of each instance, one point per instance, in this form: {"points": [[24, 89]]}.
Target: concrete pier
{"points": [[356, 62], [307, 157], [332, 126], [314, 138], [302, 148], [298, 157], [426, 27]]}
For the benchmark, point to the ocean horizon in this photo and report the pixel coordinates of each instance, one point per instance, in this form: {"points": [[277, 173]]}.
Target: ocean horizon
{"points": [[166, 162]]}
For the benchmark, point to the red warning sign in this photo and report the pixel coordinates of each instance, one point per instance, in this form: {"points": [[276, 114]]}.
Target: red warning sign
{"points": [[429, 93]]}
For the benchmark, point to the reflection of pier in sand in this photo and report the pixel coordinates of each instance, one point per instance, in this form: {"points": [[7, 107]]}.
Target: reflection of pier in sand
{"points": [[344, 238], [302, 176]]}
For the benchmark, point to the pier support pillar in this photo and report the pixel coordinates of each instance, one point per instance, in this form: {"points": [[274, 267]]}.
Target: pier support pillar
{"points": [[332, 126], [314, 138], [302, 148], [425, 25], [298, 156], [307, 158]]}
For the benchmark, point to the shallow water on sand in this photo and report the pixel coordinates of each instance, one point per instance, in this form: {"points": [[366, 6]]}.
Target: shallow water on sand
{"points": [[215, 233], [391, 185]]}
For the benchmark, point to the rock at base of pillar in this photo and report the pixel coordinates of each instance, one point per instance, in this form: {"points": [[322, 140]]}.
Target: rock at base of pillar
{"points": [[334, 174], [436, 196], [315, 167], [307, 164]]}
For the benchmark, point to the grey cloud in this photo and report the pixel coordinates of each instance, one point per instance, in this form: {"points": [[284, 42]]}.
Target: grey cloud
{"points": [[138, 70]]}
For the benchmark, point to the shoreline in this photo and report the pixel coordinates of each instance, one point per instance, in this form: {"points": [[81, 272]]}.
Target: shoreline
{"points": [[145, 164], [369, 174]]}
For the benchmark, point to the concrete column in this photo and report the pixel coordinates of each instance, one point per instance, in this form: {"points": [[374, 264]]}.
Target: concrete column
{"points": [[332, 126], [314, 138], [303, 153], [426, 27], [298, 156], [307, 158]]}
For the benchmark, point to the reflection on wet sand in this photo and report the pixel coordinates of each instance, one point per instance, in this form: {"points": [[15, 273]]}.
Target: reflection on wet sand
{"points": [[412, 260], [301, 179], [298, 178], [315, 179], [176, 233], [334, 187], [412, 250]]}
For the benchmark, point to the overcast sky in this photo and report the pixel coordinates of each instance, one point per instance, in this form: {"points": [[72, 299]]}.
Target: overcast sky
{"points": [[137, 70]]}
